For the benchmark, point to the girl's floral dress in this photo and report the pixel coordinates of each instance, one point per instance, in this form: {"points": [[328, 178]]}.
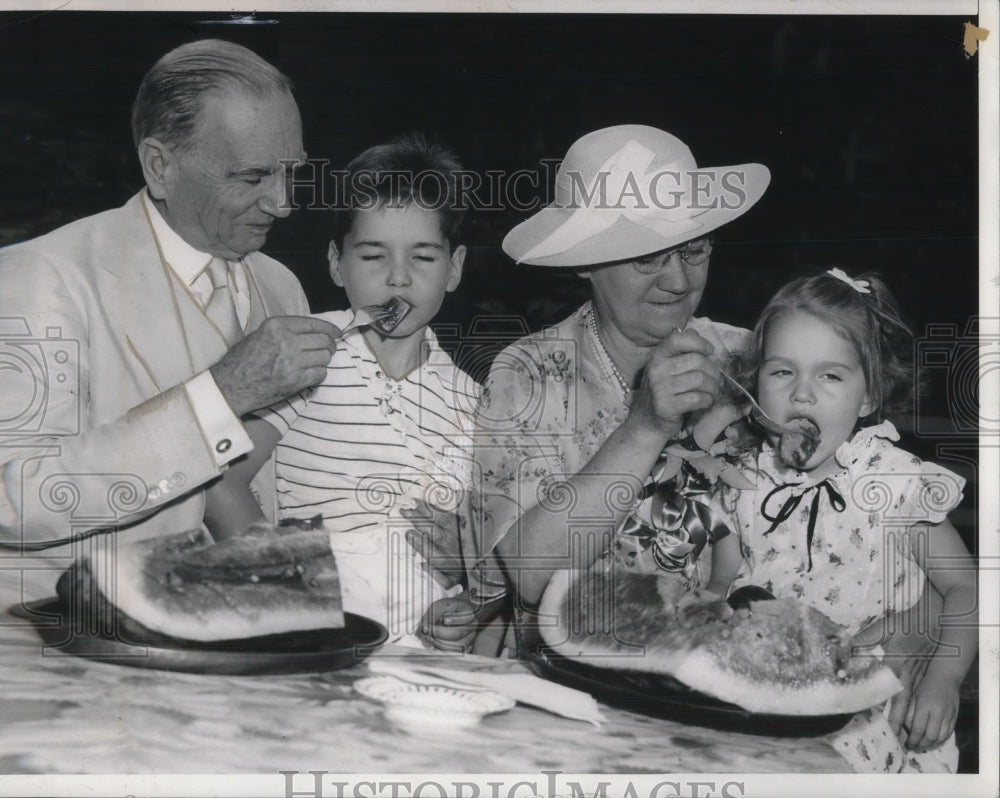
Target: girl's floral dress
{"points": [[839, 544]]}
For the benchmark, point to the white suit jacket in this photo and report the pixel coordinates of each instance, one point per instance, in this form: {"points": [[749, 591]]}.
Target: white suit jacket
{"points": [[96, 338]]}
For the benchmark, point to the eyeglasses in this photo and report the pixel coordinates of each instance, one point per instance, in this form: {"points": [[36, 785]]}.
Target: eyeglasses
{"points": [[694, 253]]}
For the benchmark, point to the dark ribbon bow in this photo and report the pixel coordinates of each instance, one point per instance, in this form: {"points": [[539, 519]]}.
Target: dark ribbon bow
{"points": [[676, 508], [836, 502]]}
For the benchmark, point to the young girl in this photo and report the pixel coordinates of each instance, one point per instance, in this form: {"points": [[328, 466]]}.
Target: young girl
{"points": [[842, 518]]}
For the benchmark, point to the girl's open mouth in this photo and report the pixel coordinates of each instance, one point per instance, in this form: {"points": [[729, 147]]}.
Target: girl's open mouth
{"points": [[796, 446]]}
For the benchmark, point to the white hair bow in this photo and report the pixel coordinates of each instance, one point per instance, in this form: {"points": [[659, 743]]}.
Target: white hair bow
{"points": [[861, 286]]}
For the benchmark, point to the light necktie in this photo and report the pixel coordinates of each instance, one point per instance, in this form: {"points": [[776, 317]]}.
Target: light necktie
{"points": [[220, 308]]}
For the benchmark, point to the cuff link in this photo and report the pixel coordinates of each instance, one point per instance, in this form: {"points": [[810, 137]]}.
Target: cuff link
{"points": [[223, 446]]}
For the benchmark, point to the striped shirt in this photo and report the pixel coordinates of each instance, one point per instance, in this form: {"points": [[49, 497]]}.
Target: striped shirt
{"points": [[361, 446], [354, 444]]}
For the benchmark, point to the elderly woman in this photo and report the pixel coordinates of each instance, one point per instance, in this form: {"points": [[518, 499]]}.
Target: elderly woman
{"points": [[574, 419]]}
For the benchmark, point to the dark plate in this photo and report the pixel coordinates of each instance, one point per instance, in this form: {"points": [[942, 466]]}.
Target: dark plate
{"points": [[291, 652], [664, 697]]}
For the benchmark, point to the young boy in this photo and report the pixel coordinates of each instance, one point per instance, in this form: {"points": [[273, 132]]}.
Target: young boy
{"points": [[389, 425]]}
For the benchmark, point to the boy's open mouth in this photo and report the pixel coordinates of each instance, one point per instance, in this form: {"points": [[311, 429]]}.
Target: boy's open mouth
{"points": [[798, 444]]}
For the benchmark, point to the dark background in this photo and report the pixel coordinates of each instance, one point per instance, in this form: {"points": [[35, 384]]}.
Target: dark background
{"points": [[868, 124]]}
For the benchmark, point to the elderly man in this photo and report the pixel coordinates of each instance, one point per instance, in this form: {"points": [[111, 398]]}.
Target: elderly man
{"points": [[138, 337]]}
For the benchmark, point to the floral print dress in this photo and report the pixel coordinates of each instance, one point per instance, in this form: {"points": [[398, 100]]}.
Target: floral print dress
{"points": [[550, 402], [839, 544], [855, 564]]}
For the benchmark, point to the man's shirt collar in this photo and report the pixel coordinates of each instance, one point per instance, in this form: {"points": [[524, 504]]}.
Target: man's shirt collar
{"points": [[186, 261]]}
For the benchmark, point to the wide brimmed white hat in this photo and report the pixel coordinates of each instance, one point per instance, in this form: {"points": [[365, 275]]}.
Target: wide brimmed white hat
{"points": [[628, 191]]}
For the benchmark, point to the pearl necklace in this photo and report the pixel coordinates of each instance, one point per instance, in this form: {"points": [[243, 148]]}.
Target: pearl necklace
{"points": [[616, 373]]}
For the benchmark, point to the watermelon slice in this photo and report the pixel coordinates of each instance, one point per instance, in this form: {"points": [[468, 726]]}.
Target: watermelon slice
{"points": [[186, 586], [387, 316], [778, 657]]}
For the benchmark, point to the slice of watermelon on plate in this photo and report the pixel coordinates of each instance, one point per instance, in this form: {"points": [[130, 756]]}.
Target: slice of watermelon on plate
{"points": [[777, 657]]}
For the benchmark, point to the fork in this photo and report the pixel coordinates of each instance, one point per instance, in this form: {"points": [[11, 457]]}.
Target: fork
{"points": [[758, 413], [372, 314]]}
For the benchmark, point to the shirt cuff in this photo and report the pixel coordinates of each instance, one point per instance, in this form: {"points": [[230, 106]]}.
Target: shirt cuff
{"points": [[224, 434]]}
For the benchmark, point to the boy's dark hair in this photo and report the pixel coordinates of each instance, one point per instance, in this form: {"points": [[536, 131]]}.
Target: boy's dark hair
{"points": [[871, 322], [406, 170]]}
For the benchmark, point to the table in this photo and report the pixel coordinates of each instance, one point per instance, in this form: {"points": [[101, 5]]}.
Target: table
{"points": [[62, 714]]}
